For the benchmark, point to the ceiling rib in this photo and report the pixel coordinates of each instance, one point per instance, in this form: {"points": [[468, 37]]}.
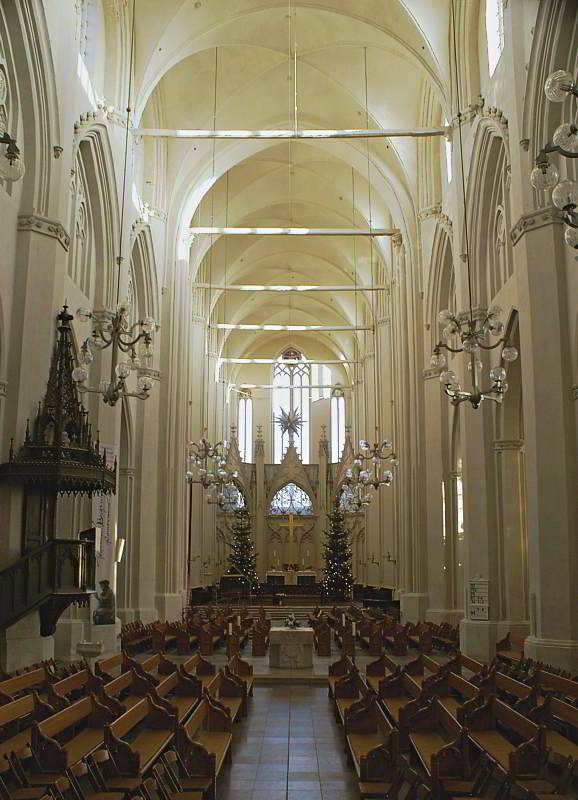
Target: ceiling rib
{"points": [[248, 287], [294, 231], [341, 362], [354, 133], [231, 326]]}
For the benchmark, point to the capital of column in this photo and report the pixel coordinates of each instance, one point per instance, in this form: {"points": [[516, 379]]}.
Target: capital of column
{"points": [[155, 374], [3, 388], [397, 240], [508, 444], [196, 319], [574, 392], [47, 227], [538, 218], [127, 472], [434, 372]]}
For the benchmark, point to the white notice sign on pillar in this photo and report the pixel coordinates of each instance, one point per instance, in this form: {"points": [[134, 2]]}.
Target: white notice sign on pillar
{"points": [[477, 599]]}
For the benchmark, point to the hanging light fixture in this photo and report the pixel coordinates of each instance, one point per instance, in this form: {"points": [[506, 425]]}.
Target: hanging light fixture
{"points": [[470, 332], [545, 176], [206, 461], [114, 329], [11, 163]]}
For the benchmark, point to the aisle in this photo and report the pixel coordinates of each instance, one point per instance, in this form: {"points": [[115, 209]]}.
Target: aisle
{"points": [[288, 748]]}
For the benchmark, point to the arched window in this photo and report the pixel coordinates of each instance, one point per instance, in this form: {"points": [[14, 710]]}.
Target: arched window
{"points": [[291, 381], [337, 425], [494, 32], [448, 154], [234, 499], [246, 428], [291, 499]]}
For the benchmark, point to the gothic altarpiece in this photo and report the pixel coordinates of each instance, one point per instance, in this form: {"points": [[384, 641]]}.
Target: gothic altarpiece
{"points": [[288, 503]]}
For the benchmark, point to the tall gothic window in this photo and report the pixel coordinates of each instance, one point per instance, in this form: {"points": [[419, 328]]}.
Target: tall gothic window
{"points": [[448, 154], [494, 32], [246, 428], [291, 392], [337, 425], [291, 499]]}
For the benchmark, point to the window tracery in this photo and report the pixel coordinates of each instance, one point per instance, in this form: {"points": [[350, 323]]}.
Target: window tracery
{"points": [[291, 499], [291, 392]]}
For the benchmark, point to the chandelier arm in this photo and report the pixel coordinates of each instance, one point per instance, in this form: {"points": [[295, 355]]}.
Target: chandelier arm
{"points": [[450, 349], [503, 340], [569, 218], [550, 147]]}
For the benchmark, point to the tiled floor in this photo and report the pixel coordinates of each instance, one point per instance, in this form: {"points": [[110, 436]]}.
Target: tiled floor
{"points": [[288, 748]]}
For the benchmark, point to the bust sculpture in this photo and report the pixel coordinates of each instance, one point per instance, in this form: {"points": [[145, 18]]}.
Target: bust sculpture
{"points": [[105, 612]]}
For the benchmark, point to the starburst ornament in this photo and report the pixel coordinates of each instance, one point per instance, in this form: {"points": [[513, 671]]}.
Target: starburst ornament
{"points": [[290, 422]]}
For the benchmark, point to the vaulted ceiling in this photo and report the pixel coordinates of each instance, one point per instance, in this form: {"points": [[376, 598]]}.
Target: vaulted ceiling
{"points": [[233, 64]]}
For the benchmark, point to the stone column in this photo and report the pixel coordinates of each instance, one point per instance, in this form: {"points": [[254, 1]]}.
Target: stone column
{"points": [[324, 502], [513, 555], [261, 533], [549, 437]]}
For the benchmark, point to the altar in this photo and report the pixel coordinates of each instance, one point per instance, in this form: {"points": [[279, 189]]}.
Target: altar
{"points": [[303, 577], [291, 648]]}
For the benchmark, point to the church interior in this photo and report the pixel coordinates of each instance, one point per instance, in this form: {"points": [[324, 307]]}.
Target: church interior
{"points": [[288, 399]]}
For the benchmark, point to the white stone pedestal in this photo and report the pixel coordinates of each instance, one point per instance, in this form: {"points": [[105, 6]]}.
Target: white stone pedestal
{"points": [[291, 648], [109, 635], [90, 651]]}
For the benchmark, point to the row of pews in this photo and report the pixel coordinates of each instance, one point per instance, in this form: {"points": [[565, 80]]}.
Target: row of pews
{"points": [[463, 725], [152, 728]]}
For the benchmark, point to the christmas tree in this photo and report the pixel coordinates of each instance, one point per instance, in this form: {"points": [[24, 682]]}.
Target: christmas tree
{"points": [[338, 581], [242, 558]]}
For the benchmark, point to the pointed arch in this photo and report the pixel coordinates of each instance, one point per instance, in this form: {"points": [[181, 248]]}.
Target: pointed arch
{"points": [[291, 499], [93, 193]]}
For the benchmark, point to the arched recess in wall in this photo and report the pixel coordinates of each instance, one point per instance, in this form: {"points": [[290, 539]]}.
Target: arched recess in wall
{"points": [[125, 509], [511, 492], [554, 46], [94, 219], [491, 255], [442, 295], [35, 119]]}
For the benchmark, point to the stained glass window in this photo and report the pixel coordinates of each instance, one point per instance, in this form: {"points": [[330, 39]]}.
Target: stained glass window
{"points": [[494, 32], [291, 393], [337, 425], [246, 428], [291, 499], [234, 499]]}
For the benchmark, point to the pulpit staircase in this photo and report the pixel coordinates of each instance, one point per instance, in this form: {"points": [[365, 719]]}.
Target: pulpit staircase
{"points": [[48, 579]]}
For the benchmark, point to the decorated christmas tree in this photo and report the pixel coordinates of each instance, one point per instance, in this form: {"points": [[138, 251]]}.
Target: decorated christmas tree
{"points": [[338, 581], [242, 558]]}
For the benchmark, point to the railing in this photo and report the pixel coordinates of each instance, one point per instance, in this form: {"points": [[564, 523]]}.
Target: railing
{"points": [[59, 567]]}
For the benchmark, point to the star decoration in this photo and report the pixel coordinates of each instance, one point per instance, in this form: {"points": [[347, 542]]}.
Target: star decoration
{"points": [[290, 421]]}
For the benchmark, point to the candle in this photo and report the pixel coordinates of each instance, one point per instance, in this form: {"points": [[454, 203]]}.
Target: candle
{"points": [[353, 629], [230, 628], [343, 620], [238, 620]]}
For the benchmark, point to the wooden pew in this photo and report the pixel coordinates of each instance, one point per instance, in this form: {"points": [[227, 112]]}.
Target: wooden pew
{"points": [[204, 741], [244, 671], [75, 686], [555, 713], [397, 640], [488, 725], [15, 721], [105, 666], [163, 637], [372, 741], [201, 668], [37, 679], [178, 693], [456, 694], [150, 728], [186, 638], [322, 639], [402, 697], [511, 648], [513, 692], [379, 669], [259, 639], [126, 691], [556, 683], [421, 638], [337, 670], [210, 635], [231, 693], [57, 742], [440, 743], [346, 692]]}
